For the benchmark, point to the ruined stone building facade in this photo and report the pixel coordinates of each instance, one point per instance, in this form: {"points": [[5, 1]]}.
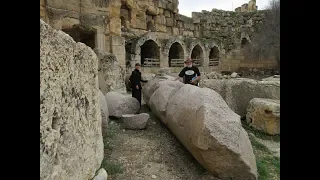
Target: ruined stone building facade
{"points": [[248, 7], [153, 33]]}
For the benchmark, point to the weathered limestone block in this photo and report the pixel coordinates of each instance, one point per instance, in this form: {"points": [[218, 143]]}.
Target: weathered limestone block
{"points": [[118, 49], [149, 89], [102, 175], [152, 10], [239, 91], [151, 86], [161, 19], [188, 33], [169, 21], [135, 121], [211, 132], [71, 146], [104, 112], [264, 115], [141, 24], [175, 31], [206, 126], [161, 28], [160, 98], [167, 13], [111, 73], [119, 104], [115, 26], [72, 5]]}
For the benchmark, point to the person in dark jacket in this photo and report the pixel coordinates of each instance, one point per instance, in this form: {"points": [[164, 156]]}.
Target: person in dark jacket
{"points": [[135, 82]]}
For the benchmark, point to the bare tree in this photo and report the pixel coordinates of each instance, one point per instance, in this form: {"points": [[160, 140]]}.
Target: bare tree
{"points": [[266, 42]]}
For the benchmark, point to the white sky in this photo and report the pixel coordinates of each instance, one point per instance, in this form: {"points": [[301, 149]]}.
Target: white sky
{"points": [[186, 7]]}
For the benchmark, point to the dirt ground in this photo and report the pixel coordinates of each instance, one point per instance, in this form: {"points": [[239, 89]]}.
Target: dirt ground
{"points": [[153, 153]]}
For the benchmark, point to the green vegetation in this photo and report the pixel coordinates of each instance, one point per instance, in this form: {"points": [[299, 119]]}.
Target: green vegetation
{"points": [[110, 166], [267, 164]]}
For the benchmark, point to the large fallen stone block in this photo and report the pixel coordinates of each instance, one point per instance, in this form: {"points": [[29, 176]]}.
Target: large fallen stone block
{"points": [[150, 87], [135, 121], [119, 104], [211, 132], [71, 146], [238, 92], [159, 99], [264, 115], [104, 112], [206, 126]]}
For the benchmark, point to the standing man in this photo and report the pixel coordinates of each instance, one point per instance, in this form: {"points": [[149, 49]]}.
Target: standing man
{"points": [[190, 74], [135, 79]]}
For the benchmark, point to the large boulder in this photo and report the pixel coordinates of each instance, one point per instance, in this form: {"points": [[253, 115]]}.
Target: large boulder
{"points": [[120, 104], [71, 146], [206, 126], [238, 92], [111, 74], [135, 121], [104, 112], [211, 132], [159, 99], [264, 115], [150, 87]]}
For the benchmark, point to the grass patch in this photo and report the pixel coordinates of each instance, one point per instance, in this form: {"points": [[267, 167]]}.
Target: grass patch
{"points": [[262, 170], [258, 146], [111, 167], [108, 138], [108, 142], [267, 164]]}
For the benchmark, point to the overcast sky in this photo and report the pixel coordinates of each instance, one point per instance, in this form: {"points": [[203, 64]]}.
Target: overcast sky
{"points": [[188, 6]]}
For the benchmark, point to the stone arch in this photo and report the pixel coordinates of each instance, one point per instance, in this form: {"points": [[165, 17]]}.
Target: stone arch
{"points": [[196, 50], [150, 50], [178, 45], [172, 40], [197, 55], [139, 42], [209, 45], [176, 52]]}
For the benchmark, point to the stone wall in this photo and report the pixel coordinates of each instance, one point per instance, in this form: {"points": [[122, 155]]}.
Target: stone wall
{"points": [[71, 146], [248, 7], [122, 27]]}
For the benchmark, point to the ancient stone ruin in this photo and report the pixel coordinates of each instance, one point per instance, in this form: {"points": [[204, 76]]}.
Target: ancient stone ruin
{"points": [[87, 50], [71, 146], [154, 34]]}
